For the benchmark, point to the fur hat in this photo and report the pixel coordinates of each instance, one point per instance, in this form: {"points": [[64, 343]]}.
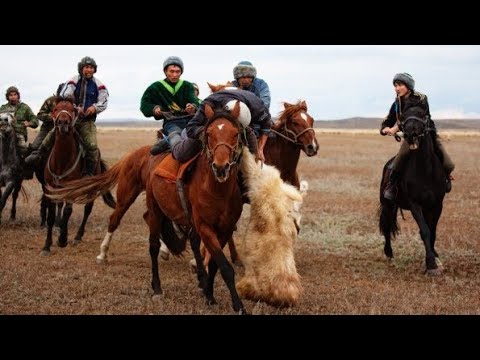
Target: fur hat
{"points": [[10, 90], [87, 60], [405, 78], [244, 69], [245, 116], [173, 60]]}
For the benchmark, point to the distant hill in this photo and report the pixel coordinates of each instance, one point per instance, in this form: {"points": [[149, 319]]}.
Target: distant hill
{"points": [[351, 123]]}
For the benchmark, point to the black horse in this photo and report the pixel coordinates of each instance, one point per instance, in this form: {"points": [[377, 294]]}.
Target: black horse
{"points": [[11, 169], [421, 189]]}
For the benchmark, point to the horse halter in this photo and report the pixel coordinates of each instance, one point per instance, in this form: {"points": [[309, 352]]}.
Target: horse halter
{"points": [[424, 122], [289, 132], [71, 115], [235, 150]]}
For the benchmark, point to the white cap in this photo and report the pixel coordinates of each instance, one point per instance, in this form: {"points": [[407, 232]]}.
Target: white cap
{"points": [[245, 116]]}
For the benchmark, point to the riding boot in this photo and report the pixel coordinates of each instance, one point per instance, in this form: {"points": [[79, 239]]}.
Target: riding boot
{"points": [[160, 146], [36, 156], [391, 189], [243, 188]]}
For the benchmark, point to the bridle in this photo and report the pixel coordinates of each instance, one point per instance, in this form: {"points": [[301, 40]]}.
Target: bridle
{"points": [[235, 150], [290, 135]]}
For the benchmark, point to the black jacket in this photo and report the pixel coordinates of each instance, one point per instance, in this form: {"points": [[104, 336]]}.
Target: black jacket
{"points": [[261, 118]]}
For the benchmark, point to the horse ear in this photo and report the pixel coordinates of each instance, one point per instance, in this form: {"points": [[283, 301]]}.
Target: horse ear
{"points": [[212, 87], [208, 111], [287, 105], [304, 104], [228, 84]]}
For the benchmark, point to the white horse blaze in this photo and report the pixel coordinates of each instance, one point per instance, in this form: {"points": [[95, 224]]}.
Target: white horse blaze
{"points": [[304, 116], [220, 126]]}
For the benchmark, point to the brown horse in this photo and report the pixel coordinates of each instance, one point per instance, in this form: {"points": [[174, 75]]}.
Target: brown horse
{"points": [[293, 132], [64, 164], [214, 200]]}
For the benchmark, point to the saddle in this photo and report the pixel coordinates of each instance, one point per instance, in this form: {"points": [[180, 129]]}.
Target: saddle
{"points": [[172, 170]]}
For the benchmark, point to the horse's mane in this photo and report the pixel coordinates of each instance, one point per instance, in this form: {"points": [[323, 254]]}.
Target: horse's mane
{"points": [[69, 99], [217, 114], [290, 110], [417, 111]]}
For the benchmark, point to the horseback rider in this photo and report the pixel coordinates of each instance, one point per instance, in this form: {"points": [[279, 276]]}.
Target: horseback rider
{"points": [[91, 98], [45, 116], [254, 117], [406, 98], [24, 117], [172, 100], [245, 75], [196, 90]]}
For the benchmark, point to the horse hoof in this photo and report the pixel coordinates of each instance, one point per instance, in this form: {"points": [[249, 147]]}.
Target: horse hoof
{"points": [[101, 261], [238, 262], [62, 244], [164, 255], [45, 253], [211, 302], [76, 242], [434, 272], [158, 297], [242, 311], [439, 263]]}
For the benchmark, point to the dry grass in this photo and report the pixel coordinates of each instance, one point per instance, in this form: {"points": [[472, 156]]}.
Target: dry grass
{"points": [[339, 253]]}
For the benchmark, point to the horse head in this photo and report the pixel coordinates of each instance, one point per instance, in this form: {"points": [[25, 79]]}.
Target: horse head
{"points": [[296, 125], [64, 115], [414, 126], [6, 121], [222, 140]]}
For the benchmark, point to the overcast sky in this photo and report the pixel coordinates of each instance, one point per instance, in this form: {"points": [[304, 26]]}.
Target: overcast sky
{"points": [[337, 82]]}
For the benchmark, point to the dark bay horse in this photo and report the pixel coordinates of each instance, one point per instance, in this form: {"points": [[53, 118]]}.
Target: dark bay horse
{"points": [[66, 163], [293, 132], [11, 169], [421, 189], [214, 201]]}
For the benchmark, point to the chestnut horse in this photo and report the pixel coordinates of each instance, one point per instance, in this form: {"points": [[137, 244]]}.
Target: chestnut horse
{"points": [[214, 203], [64, 164]]}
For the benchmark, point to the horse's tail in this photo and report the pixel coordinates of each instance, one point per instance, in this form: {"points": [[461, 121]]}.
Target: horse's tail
{"points": [[87, 189], [107, 197], [388, 219]]}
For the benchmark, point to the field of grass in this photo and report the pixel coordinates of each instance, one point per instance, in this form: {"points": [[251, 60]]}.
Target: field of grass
{"points": [[339, 254]]}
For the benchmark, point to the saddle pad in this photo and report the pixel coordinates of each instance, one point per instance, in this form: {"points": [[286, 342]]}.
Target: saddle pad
{"points": [[170, 169]]}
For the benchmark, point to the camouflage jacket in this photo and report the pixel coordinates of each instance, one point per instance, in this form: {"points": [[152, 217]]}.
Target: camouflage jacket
{"points": [[22, 112], [45, 112]]}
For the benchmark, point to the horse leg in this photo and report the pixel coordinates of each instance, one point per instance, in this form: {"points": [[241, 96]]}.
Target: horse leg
{"points": [[13, 211], [3, 200], [233, 252], [58, 216], [425, 233], [125, 198], [212, 244], [87, 210], [200, 269], [435, 216], [43, 210], [388, 226], [63, 237], [50, 222]]}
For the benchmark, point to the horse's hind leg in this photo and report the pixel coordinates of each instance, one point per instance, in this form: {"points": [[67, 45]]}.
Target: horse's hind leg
{"points": [[432, 222], [81, 230], [63, 237], [154, 248], [125, 198], [233, 252], [13, 211]]}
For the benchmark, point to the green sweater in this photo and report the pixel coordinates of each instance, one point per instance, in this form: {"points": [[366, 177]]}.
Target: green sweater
{"points": [[169, 99], [22, 112]]}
